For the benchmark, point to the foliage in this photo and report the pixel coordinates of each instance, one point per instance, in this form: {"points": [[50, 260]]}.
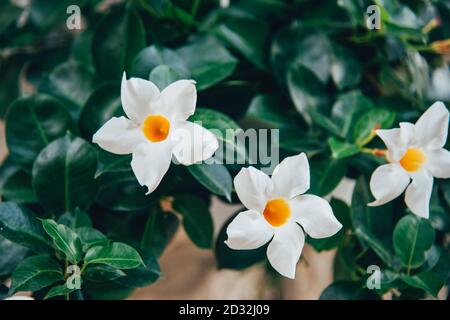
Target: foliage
{"points": [[309, 68]]}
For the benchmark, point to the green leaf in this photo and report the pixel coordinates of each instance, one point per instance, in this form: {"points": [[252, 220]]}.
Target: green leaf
{"points": [[102, 273], [141, 276], [160, 228], [307, 92], [213, 65], [413, 236], [63, 175], [428, 281], [235, 259], [151, 57], [224, 128], [214, 177], [36, 273], [248, 36], [12, 255], [32, 123], [376, 118], [9, 77], [75, 219], [56, 291], [365, 218], [117, 39], [111, 163], [103, 104], [117, 255], [197, 220], [46, 13], [91, 237], [345, 68], [72, 83], [64, 239], [18, 188], [19, 225], [268, 111], [326, 175], [342, 149], [164, 75]]}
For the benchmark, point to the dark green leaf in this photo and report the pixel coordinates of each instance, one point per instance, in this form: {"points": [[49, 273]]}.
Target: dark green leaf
{"points": [[160, 228], [102, 273], [428, 281], [347, 290], [197, 220], [118, 37], [12, 255], [64, 239], [19, 225], [341, 149], [75, 219], [118, 255], [36, 273], [326, 175], [213, 65], [164, 75], [413, 236], [214, 177], [18, 188], [372, 119], [63, 175], [56, 291], [91, 237], [32, 123]]}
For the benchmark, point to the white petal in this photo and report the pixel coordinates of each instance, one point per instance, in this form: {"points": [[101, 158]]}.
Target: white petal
{"points": [[291, 177], [249, 230], [180, 98], [395, 142], [285, 249], [253, 188], [150, 163], [119, 136], [432, 126], [438, 162], [387, 183], [193, 143], [315, 216], [417, 196], [137, 96]]}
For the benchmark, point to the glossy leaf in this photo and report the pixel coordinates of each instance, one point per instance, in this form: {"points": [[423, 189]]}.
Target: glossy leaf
{"points": [[64, 239], [118, 255]]}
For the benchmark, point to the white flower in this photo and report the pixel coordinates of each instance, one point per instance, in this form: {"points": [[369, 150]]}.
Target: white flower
{"points": [[156, 129], [415, 153], [276, 210]]}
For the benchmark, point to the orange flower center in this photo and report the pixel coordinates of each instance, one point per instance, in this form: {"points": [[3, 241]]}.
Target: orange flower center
{"points": [[156, 128], [413, 160], [277, 212]]}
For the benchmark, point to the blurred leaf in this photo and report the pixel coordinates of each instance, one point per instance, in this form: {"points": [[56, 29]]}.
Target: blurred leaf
{"points": [[326, 175], [72, 83], [64, 239], [345, 68], [63, 175], [341, 149], [75, 219], [117, 39], [428, 281], [163, 75], [364, 219], [90, 237], [32, 123], [370, 120], [214, 177], [347, 290], [102, 273], [56, 291], [36, 273], [412, 237], [102, 105], [141, 276], [213, 65], [12, 255], [18, 188], [160, 228], [151, 57], [20, 225], [268, 111], [197, 220]]}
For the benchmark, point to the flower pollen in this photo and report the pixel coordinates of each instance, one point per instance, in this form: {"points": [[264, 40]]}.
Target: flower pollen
{"points": [[413, 160], [277, 212], [156, 128]]}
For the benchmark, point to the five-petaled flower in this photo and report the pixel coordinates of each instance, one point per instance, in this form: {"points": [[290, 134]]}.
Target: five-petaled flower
{"points": [[416, 154], [277, 212], [156, 129]]}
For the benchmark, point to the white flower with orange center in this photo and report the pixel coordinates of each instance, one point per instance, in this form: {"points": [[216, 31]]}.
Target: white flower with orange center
{"points": [[277, 212], [416, 154], [156, 129]]}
